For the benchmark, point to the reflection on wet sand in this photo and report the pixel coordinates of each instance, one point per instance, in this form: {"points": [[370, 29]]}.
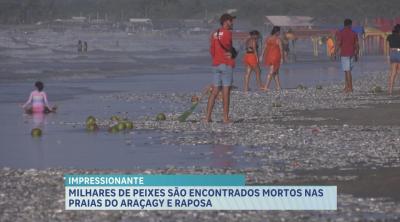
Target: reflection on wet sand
{"points": [[222, 156], [38, 120]]}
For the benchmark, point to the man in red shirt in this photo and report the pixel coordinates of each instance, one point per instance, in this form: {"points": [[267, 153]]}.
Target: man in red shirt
{"points": [[223, 64], [347, 43]]}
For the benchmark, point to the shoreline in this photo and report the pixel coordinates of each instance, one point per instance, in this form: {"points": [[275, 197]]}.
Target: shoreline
{"points": [[287, 151]]}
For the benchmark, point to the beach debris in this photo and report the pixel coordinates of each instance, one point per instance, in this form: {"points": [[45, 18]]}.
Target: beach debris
{"points": [[315, 130], [187, 113], [121, 126], [296, 164], [92, 127], [36, 132], [301, 87], [376, 89], [276, 104], [91, 124], [51, 110], [113, 129], [128, 124], [115, 118], [90, 120], [161, 117], [195, 99]]}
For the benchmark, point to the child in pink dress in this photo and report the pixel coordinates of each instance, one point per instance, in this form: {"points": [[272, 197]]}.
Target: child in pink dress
{"points": [[38, 101]]}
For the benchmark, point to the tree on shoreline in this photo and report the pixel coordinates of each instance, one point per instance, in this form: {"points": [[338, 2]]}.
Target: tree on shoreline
{"points": [[32, 11]]}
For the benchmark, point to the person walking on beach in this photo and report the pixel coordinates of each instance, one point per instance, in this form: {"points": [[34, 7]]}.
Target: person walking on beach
{"points": [[251, 60], [347, 43], [286, 48], [80, 46], [394, 44], [223, 62], [273, 57], [85, 46]]}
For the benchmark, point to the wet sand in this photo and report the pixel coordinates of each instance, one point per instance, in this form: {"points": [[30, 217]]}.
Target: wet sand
{"points": [[369, 115], [269, 144], [372, 183], [313, 136]]}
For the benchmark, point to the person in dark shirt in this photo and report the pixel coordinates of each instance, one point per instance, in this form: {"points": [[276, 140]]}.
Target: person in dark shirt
{"points": [[394, 44]]}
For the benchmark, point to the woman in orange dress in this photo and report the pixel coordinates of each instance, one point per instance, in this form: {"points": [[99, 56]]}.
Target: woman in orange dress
{"points": [[273, 57], [251, 60], [330, 47]]}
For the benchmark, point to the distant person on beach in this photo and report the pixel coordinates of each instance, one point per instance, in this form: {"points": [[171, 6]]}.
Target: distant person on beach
{"points": [[80, 46], [251, 60], [330, 48], [85, 46], [223, 62], [394, 44], [273, 57], [285, 47], [347, 43], [37, 102], [290, 35]]}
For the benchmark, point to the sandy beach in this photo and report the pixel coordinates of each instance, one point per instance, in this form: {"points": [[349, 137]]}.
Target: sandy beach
{"points": [[297, 136]]}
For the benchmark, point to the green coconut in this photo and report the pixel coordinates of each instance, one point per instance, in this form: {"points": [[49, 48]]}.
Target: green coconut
{"points": [[113, 129], [115, 118], [128, 125], [376, 89], [195, 99], [36, 132], [161, 117], [301, 87], [92, 127], [90, 120], [276, 104], [121, 126]]}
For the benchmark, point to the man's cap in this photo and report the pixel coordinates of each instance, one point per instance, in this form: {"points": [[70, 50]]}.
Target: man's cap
{"points": [[226, 17]]}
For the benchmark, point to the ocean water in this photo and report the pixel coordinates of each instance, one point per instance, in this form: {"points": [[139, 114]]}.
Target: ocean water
{"points": [[138, 64]]}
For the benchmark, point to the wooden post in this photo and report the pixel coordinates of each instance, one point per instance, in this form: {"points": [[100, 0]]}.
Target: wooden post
{"points": [[386, 46], [313, 39], [294, 50]]}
